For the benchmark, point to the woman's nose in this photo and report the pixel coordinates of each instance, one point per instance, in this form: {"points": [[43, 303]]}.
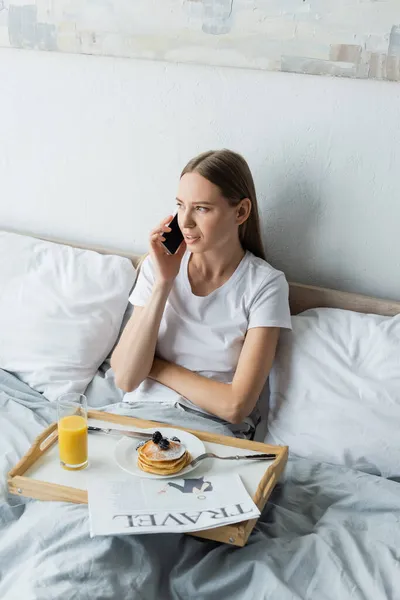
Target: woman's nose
{"points": [[187, 220]]}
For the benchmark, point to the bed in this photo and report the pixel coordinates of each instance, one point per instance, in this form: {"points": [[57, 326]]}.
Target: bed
{"points": [[331, 529]]}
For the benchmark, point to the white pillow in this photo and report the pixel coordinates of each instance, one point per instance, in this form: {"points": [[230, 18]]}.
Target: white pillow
{"points": [[60, 311], [335, 390]]}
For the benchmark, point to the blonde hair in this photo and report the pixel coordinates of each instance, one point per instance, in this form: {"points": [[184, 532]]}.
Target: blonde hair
{"points": [[231, 173]]}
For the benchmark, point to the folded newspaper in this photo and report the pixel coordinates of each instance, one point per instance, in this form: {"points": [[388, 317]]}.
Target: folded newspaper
{"points": [[135, 505]]}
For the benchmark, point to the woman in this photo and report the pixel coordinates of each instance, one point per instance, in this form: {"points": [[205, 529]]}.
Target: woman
{"points": [[206, 320]]}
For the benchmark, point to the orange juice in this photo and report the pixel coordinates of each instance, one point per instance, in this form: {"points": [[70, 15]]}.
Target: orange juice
{"points": [[72, 441]]}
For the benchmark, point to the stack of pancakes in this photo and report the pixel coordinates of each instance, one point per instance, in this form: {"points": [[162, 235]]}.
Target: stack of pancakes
{"points": [[153, 459]]}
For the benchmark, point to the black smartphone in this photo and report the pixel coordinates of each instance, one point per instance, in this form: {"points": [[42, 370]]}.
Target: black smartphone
{"points": [[173, 238]]}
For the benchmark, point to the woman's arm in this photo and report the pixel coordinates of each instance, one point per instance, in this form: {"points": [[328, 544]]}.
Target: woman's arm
{"points": [[230, 401], [133, 356]]}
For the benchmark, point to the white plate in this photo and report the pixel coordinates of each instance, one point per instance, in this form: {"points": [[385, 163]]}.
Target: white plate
{"points": [[126, 454]]}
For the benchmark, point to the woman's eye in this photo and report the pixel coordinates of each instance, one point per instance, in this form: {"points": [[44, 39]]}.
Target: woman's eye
{"points": [[202, 209]]}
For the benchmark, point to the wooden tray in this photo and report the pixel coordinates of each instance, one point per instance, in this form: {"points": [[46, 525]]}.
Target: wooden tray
{"points": [[38, 474]]}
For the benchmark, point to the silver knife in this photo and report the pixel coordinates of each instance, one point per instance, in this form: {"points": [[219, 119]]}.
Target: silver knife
{"points": [[135, 434]]}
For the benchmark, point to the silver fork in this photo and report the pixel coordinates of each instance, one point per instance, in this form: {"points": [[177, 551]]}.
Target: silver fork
{"points": [[195, 461]]}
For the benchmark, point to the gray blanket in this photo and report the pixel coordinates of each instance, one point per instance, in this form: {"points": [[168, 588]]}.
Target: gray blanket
{"points": [[326, 533]]}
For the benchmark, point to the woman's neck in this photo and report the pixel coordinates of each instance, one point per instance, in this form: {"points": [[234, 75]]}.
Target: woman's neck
{"points": [[216, 265]]}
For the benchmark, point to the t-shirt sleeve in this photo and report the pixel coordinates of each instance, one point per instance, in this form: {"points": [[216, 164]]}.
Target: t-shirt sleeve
{"points": [[270, 306], [144, 284]]}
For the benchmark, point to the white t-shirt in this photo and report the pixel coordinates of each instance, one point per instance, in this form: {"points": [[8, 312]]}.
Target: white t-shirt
{"points": [[206, 333]]}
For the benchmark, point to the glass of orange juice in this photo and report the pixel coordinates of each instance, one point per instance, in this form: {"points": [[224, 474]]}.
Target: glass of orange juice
{"points": [[72, 431]]}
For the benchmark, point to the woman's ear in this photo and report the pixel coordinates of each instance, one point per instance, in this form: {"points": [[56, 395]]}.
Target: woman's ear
{"points": [[243, 210]]}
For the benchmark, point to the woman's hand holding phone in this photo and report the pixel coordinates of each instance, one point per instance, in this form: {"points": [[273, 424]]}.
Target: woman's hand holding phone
{"points": [[167, 265]]}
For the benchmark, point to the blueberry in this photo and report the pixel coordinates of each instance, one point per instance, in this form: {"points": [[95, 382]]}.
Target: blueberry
{"points": [[157, 437], [164, 444], [175, 439], [140, 444]]}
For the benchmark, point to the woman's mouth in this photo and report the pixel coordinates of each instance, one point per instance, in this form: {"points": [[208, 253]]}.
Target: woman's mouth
{"points": [[191, 239]]}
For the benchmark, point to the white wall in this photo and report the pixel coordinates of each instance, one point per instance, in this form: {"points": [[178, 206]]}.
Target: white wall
{"points": [[91, 149]]}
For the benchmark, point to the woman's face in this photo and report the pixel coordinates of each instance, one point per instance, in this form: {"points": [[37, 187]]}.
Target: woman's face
{"points": [[205, 218]]}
